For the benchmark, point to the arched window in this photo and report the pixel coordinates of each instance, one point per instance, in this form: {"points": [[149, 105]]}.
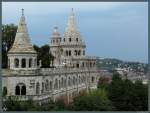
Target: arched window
{"points": [[47, 85], [16, 62], [79, 52], [20, 89], [69, 81], [23, 90], [75, 52], [37, 88], [77, 65], [30, 62], [17, 91], [56, 84], [66, 53], [50, 85], [59, 85], [74, 80], [69, 52], [42, 87], [82, 64], [93, 79], [4, 91], [62, 80], [23, 63], [69, 39], [90, 64], [77, 39], [83, 52]]}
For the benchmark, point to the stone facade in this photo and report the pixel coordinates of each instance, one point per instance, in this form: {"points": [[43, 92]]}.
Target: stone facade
{"points": [[73, 71]]}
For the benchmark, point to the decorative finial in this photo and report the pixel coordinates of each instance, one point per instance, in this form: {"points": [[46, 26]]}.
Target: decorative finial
{"points": [[55, 29], [72, 13], [22, 12]]}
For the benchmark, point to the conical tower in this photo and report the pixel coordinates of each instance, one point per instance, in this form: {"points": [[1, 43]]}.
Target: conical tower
{"points": [[22, 54], [55, 47]]}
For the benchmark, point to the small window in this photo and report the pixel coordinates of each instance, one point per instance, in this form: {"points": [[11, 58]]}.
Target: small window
{"points": [[83, 52], [69, 39], [77, 65], [77, 39], [69, 53], [64, 39]]}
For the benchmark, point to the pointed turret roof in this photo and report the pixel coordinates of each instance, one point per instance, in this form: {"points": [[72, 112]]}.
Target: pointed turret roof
{"points": [[56, 33], [71, 26], [22, 43]]}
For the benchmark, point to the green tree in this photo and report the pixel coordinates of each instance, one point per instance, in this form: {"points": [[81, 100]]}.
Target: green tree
{"points": [[103, 82], [93, 101], [44, 55], [8, 36], [126, 95]]}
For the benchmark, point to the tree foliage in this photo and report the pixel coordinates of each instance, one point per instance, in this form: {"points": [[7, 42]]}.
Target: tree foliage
{"points": [[8, 36], [128, 96], [93, 101], [44, 55]]}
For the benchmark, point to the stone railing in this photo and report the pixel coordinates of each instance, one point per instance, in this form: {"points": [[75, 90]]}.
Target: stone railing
{"points": [[66, 70], [20, 72]]}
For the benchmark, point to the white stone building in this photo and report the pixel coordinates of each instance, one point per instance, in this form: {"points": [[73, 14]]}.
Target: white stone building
{"points": [[73, 71]]}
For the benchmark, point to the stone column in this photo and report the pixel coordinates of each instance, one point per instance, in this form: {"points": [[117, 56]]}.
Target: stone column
{"points": [[20, 62], [27, 62]]}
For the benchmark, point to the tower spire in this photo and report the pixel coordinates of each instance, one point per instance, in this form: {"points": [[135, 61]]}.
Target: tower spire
{"points": [[22, 12], [22, 41], [71, 26]]}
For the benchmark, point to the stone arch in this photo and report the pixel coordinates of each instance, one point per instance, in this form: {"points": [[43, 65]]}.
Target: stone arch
{"points": [[82, 64], [75, 52], [59, 84], [67, 53], [17, 90], [50, 85], [79, 79], [76, 39], [42, 87], [4, 91], [37, 88], [30, 62], [70, 39], [47, 85], [56, 84], [16, 62], [23, 90], [77, 65], [69, 80], [83, 52], [79, 53], [20, 89], [62, 82], [93, 79], [23, 63]]}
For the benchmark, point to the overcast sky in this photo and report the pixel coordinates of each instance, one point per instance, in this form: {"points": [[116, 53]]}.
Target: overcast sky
{"points": [[110, 29]]}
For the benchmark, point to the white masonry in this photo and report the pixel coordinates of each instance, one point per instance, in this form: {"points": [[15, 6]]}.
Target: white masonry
{"points": [[73, 72]]}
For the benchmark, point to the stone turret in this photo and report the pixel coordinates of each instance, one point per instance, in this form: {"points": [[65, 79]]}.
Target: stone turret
{"points": [[55, 47], [22, 54]]}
